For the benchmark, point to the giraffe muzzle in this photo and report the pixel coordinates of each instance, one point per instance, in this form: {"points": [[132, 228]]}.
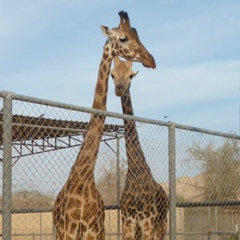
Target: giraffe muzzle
{"points": [[119, 90], [149, 62]]}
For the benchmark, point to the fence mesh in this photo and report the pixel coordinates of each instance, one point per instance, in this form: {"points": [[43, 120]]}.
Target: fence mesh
{"points": [[46, 139]]}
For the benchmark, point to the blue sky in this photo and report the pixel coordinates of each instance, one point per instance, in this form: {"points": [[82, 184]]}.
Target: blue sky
{"points": [[52, 50]]}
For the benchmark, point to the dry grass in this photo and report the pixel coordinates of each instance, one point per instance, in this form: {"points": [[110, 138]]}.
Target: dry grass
{"points": [[39, 226]]}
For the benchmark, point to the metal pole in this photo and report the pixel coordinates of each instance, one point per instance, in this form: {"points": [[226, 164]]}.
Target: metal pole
{"points": [[7, 169], [118, 190], [216, 222], [54, 231], [40, 226], [172, 181]]}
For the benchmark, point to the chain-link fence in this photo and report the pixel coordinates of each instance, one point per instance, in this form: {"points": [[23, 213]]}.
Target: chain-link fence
{"points": [[40, 140]]}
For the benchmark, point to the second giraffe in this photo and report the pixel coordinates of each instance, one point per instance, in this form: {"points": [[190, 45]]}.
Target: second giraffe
{"points": [[144, 203]]}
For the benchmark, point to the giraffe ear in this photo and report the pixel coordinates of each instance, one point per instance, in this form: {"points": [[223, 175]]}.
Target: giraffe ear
{"points": [[117, 61], [135, 73], [106, 31]]}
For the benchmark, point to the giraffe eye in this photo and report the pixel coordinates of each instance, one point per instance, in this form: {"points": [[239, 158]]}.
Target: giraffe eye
{"points": [[123, 40], [112, 76], [131, 76]]}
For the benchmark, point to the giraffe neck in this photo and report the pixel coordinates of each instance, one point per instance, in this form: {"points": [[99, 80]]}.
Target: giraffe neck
{"points": [[101, 89], [86, 159], [137, 164]]}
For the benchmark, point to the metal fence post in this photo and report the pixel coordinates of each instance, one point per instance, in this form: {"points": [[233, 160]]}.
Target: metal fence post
{"points": [[118, 190], [54, 231], [41, 230], [7, 168], [172, 181]]}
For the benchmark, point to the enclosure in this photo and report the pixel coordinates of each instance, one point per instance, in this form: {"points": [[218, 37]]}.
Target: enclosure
{"points": [[39, 142]]}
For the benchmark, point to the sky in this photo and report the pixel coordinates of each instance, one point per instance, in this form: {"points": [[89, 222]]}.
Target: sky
{"points": [[52, 50]]}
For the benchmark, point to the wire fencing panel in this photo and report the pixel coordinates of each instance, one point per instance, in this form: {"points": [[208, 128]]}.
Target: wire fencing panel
{"points": [[208, 185], [46, 139]]}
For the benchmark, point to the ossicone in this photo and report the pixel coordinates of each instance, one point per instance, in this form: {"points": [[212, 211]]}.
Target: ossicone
{"points": [[124, 20]]}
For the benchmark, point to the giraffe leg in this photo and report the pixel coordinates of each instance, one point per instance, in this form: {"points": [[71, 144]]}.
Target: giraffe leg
{"points": [[160, 230], [94, 237], [147, 229], [129, 228], [57, 236], [60, 235], [96, 232]]}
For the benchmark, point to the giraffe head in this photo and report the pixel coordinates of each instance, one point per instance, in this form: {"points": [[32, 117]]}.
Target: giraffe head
{"points": [[122, 75], [126, 43]]}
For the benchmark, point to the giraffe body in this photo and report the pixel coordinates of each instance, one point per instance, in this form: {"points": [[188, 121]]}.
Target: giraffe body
{"points": [[144, 203], [79, 209]]}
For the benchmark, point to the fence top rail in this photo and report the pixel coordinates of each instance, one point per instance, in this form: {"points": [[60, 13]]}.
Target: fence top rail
{"points": [[19, 97]]}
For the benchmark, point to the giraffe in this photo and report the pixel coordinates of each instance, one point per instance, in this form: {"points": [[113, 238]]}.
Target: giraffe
{"points": [[78, 212], [144, 203]]}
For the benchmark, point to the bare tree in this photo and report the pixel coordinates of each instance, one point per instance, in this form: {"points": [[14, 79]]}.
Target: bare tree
{"points": [[31, 199], [111, 181], [222, 169]]}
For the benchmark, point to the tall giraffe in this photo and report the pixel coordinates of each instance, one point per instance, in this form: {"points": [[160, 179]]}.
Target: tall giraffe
{"points": [[144, 203], [79, 209]]}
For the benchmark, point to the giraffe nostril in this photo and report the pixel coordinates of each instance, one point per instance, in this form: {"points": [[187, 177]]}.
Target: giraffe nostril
{"points": [[120, 87]]}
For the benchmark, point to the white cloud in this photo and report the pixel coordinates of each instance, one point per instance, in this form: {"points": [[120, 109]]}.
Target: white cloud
{"points": [[187, 85]]}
